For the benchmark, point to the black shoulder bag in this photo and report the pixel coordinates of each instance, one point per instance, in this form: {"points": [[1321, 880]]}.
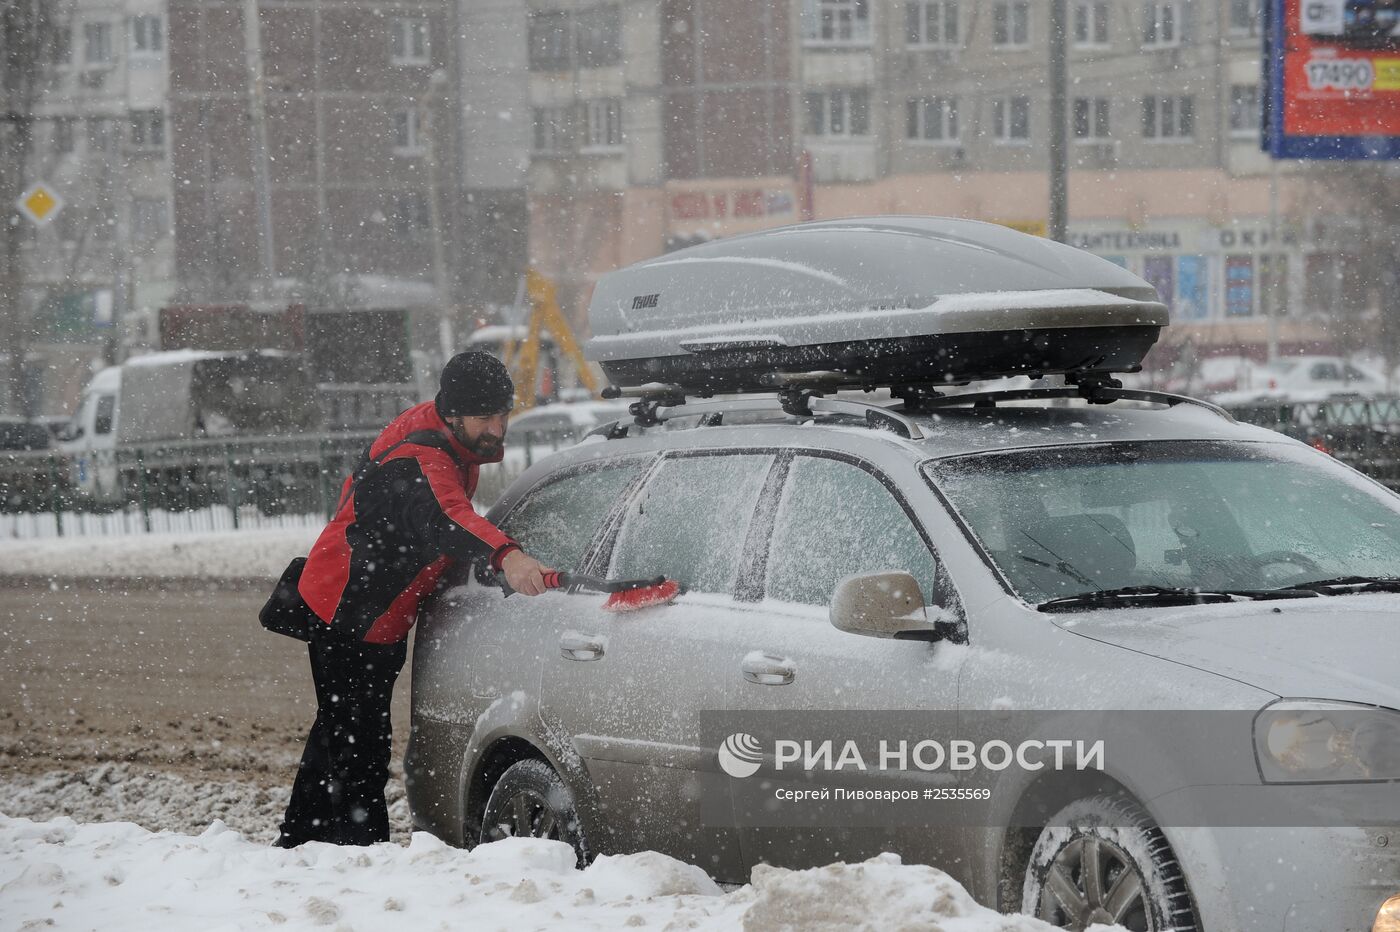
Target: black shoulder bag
{"points": [[285, 611]]}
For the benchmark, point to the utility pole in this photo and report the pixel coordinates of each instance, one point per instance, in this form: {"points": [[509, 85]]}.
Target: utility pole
{"points": [[257, 118], [1271, 256], [1059, 124], [437, 84]]}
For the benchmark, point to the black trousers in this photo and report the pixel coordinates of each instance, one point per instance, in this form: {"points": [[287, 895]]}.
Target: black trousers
{"points": [[338, 796]]}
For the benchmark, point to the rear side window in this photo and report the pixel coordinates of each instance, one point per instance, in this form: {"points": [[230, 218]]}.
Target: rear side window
{"points": [[837, 520], [555, 521], [690, 522]]}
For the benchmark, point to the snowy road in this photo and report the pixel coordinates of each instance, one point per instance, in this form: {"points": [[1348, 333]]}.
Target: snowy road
{"points": [[164, 706]]}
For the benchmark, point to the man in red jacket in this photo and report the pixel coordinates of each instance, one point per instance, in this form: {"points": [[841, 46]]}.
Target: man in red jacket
{"points": [[404, 517]]}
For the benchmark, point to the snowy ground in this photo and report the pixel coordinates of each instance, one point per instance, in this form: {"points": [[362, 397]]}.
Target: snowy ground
{"points": [[117, 876], [216, 555], [151, 730]]}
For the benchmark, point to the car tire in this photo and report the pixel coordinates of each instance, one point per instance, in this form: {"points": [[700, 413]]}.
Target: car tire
{"points": [[1136, 880], [531, 799]]}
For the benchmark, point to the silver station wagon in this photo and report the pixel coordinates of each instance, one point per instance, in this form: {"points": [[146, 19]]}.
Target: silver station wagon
{"points": [[941, 556]]}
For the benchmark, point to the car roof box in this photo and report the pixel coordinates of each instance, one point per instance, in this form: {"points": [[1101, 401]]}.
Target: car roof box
{"points": [[869, 302]]}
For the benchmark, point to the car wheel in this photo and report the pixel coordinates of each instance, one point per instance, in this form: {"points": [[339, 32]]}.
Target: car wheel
{"points": [[531, 800], [1103, 860]]}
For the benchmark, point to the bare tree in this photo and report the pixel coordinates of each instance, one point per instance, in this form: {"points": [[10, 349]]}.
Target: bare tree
{"points": [[28, 38]]}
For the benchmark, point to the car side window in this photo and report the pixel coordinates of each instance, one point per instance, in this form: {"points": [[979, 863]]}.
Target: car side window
{"points": [[106, 408], [837, 520], [1326, 372], [555, 521], [690, 522]]}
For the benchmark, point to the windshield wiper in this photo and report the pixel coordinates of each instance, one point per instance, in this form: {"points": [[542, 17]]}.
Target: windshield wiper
{"points": [[1341, 585], [1164, 595]]}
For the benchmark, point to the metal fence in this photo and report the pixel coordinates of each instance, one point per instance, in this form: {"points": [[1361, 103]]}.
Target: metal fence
{"points": [[203, 485], [1364, 433]]}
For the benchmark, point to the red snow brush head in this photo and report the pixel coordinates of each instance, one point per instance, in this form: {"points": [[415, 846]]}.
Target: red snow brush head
{"points": [[630, 600]]}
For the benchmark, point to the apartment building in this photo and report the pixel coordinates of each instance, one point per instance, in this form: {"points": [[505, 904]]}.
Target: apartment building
{"points": [[102, 144], [660, 122]]}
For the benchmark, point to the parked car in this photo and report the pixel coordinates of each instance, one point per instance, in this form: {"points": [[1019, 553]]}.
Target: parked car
{"points": [[942, 558], [1314, 375], [1217, 374], [17, 433], [564, 423]]}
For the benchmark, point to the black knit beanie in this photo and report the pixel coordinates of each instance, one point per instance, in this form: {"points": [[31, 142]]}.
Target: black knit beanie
{"points": [[474, 384]]}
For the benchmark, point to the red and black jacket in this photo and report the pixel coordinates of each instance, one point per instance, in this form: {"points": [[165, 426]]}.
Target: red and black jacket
{"points": [[399, 525]]}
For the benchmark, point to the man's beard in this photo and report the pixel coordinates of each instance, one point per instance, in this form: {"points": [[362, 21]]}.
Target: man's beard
{"points": [[486, 446]]}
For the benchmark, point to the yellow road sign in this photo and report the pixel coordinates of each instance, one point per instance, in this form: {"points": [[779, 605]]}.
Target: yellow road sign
{"points": [[40, 204]]}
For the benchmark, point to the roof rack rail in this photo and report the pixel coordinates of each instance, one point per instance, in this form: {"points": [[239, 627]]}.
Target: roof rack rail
{"points": [[658, 402], [1094, 394], [803, 404]]}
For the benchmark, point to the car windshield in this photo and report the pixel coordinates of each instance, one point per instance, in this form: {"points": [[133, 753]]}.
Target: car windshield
{"points": [[1062, 522]]}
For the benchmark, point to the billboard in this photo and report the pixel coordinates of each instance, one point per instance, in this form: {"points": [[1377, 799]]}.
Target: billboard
{"points": [[1332, 79]]}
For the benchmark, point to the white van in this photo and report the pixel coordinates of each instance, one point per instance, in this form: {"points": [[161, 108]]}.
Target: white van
{"points": [[182, 395]]}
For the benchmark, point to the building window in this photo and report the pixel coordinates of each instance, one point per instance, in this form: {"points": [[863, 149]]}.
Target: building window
{"points": [[1245, 17], [599, 37], [411, 217], [1244, 110], [604, 123], [408, 138], [1091, 23], [63, 135], [147, 129], [1239, 286], [1163, 22], [409, 41], [61, 46], [839, 113], [931, 24], [594, 36], [1091, 119], [97, 43], [149, 219], [1011, 23], [1166, 117], [1011, 119], [838, 22], [549, 40], [553, 129], [931, 119], [99, 134], [147, 35]]}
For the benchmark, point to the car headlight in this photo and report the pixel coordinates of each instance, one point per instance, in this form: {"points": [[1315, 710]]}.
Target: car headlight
{"points": [[1314, 741]]}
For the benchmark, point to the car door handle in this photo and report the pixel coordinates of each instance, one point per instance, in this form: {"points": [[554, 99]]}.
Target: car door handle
{"points": [[768, 670], [575, 646]]}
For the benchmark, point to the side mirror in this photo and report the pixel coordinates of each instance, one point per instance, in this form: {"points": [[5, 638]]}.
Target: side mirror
{"points": [[887, 605]]}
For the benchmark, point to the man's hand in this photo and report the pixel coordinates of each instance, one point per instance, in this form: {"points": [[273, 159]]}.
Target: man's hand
{"points": [[524, 573]]}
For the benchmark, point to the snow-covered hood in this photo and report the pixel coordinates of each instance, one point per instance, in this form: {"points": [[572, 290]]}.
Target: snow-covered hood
{"points": [[1332, 647]]}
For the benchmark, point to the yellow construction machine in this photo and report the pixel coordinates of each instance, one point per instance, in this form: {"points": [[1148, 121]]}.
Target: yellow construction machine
{"points": [[523, 357]]}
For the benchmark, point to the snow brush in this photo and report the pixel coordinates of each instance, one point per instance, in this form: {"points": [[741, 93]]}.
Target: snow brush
{"points": [[624, 595]]}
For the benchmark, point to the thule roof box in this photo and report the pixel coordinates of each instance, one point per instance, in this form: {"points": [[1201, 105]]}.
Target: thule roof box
{"points": [[869, 302]]}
